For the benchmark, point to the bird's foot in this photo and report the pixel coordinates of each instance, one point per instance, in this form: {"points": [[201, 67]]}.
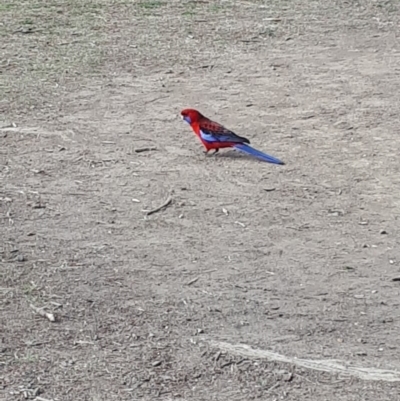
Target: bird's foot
{"points": [[206, 152]]}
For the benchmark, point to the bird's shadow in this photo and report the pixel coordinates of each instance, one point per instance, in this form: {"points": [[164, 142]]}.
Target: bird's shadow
{"points": [[232, 154]]}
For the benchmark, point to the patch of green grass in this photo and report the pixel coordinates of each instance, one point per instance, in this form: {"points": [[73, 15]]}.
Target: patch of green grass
{"points": [[190, 9], [217, 8], [48, 43], [6, 6], [29, 357], [389, 6], [151, 4], [30, 290], [27, 21], [268, 32]]}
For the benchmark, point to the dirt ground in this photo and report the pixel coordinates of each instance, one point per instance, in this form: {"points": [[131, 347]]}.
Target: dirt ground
{"points": [[255, 277]]}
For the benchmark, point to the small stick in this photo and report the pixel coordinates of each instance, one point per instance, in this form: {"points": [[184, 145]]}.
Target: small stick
{"points": [[41, 399], [224, 365], [141, 150], [273, 387], [157, 98], [42, 313], [193, 281], [157, 209], [240, 224], [204, 272], [83, 342]]}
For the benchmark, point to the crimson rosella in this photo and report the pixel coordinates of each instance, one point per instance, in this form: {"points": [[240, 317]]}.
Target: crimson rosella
{"points": [[215, 136]]}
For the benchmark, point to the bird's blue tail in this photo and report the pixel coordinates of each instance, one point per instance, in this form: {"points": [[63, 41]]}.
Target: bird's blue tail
{"points": [[254, 152]]}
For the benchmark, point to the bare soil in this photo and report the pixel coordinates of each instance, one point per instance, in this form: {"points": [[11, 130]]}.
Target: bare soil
{"points": [[297, 260]]}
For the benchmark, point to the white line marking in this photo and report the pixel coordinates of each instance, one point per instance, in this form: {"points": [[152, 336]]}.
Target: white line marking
{"points": [[329, 365]]}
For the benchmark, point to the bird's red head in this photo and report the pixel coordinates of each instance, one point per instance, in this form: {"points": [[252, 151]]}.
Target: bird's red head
{"points": [[191, 116]]}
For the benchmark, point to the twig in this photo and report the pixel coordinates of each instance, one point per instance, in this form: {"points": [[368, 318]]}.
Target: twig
{"points": [[155, 99], [193, 281], [42, 313], [41, 399], [157, 209], [204, 272], [141, 150], [224, 365], [33, 344], [83, 342], [273, 387]]}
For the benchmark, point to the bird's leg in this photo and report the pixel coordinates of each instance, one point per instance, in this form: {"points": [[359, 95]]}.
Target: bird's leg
{"points": [[215, 152], [210, 154]]}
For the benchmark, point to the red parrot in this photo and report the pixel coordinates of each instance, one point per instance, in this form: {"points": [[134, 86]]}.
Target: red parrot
{"points": [[215, 136]]}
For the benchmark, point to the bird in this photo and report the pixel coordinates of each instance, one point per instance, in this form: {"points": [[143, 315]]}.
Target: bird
{"points": [[215, 136]]}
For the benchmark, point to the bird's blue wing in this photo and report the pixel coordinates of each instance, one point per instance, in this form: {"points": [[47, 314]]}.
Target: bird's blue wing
{"points": [[214, 132]]}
